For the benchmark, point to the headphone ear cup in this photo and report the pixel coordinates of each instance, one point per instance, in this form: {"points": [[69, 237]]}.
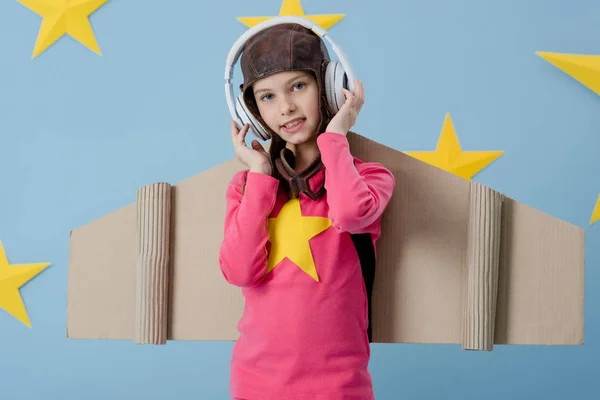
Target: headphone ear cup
{"points": [[247, 118], [329, 86], [335, 81], [242, 116]]}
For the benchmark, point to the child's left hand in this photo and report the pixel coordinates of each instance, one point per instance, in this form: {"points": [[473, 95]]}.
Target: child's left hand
{"points": [[346, 117]]}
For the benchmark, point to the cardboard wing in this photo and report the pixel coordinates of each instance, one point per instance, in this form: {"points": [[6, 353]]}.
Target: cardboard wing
{"points": [[457, 262]]}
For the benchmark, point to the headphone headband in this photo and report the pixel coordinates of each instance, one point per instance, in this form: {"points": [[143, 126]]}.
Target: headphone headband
{"points": [[238, 46]]}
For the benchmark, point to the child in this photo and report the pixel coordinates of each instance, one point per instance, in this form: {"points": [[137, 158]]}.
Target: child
{"points": [[291, 228]]}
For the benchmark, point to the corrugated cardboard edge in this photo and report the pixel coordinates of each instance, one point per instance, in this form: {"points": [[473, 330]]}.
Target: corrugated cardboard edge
{"points": [[482, 265], [153, 206]]}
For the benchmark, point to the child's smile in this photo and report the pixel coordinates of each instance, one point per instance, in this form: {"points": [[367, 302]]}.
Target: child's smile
{"points": [[293, 125]]}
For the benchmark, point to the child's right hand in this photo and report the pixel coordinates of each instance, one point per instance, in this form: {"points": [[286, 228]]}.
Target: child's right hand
{"points": [[256, 157]]}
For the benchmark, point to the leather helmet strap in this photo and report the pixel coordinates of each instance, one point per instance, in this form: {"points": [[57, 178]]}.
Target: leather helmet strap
{"points": [[297, 183]]}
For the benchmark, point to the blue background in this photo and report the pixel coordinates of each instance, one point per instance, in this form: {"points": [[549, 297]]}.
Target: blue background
{"points": [[79, 133]]}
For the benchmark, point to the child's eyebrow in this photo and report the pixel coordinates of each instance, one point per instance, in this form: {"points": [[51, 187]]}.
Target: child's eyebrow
{"points": [[287, 82], [261, 90], [293, 78]]}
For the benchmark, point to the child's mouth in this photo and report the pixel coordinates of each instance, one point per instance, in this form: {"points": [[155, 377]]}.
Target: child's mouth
{"points": [[294, 126]]}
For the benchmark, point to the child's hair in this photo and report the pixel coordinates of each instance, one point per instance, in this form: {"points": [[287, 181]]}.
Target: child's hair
{"points": [[284, 47]]}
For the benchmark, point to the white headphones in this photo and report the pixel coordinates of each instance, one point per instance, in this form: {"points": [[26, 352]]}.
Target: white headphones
{"points": [[338, 74]]}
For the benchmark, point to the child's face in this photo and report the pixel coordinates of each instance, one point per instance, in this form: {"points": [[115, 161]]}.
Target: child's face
{"points": [[289, 97]]}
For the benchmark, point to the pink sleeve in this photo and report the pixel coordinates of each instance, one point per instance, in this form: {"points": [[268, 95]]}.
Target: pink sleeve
{"points": [[357, 192], [243, 252]]}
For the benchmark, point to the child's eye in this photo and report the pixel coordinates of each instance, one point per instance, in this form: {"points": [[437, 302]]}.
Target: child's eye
{"points": [[264, 97], [299, 85]]}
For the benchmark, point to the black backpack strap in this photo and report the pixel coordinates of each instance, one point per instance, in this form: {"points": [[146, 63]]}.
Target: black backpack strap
{"points": [[366, 254]]}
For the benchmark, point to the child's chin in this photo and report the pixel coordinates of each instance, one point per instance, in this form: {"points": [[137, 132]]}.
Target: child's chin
{"points": [[296, 138]]}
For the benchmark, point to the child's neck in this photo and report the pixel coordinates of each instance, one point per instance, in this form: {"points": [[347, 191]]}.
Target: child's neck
{"points": [[304, 154]]}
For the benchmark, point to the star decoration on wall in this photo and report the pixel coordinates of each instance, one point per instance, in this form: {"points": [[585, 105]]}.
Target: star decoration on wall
{"points": [[12, 277], [293, 7], [289, 234], [450, 157], [596, 213], [583, 68], [64, 17]]}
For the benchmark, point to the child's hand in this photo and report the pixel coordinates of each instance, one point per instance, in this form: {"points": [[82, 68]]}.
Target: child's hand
{"points": [[256, 157], [346, 117]]}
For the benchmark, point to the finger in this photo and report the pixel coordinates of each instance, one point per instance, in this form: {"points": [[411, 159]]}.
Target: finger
{"points": [[349, 97], [260, 148], [359, 92], [362, 93], [242, 134], [356, 88], [234, 132], [359, 95]]}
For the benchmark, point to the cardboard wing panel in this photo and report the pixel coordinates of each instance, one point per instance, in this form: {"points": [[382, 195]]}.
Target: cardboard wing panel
{"points": [[102, 268], [541, 282], [419, 289], [420, 279], [101, 278]]}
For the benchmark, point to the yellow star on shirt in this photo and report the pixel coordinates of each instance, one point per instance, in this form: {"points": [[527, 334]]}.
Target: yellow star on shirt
{"points": [[596, 212], [451, 158], [289, 234], [12, 277], [293, 7], [62, 17], [583, 68]]}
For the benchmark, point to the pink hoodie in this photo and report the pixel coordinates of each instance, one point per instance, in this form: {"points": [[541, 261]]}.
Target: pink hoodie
{"points": [[303, 333]]}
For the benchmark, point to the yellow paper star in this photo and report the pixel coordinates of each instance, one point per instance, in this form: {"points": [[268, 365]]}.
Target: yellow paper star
{"points": [[583, 68], [289, 234], [450, 157], [62, 17], [596, 212], [12, 277], [293, 7]]}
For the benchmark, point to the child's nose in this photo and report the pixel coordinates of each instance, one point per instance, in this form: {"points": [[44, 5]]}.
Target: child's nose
{"points": [[287, 106]]}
